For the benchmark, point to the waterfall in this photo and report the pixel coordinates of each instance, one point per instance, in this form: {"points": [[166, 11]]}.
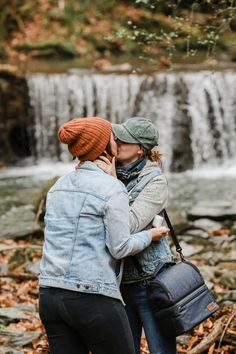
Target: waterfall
{"points": [[195, 113]]}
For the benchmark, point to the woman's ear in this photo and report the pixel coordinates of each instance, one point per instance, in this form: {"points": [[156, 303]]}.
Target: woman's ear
{"points": [[140, 151]]}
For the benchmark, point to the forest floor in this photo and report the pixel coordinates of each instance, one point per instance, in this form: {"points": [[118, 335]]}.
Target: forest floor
{"points": [[21, 331]]}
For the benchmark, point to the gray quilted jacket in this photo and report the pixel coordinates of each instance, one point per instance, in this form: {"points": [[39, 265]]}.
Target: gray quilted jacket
{"points": [[148, 196]]}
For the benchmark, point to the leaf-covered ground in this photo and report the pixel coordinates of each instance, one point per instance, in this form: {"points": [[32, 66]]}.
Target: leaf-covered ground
{"points": [[21, 330]]}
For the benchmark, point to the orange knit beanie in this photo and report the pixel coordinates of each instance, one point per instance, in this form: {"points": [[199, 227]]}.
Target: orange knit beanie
{"points": [[86, 138]]}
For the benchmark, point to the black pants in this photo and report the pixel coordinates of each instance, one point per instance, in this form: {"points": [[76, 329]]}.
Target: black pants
{"points": [[77, 323]]}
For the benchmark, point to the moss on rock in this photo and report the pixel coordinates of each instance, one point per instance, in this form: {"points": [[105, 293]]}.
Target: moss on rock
{"points": [[49, 48]]}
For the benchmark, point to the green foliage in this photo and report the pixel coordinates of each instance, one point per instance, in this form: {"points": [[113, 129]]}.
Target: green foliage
{"points": [[192, 25], [12, 15], [49, 48], [148, 27]]}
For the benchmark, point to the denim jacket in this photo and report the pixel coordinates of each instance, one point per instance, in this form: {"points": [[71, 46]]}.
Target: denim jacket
{"points": [[87, 231], [148, 195]]}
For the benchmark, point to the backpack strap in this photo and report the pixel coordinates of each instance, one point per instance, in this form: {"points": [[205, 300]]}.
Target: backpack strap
{"points": [[173, 235]]}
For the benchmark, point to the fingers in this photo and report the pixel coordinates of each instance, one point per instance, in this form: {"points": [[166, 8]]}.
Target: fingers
{"points": [[100, 163], [105, 159], [164, 230], [159, 233]]}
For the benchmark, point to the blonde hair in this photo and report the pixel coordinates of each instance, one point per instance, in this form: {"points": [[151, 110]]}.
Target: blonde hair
{"points": [[153, 155]]}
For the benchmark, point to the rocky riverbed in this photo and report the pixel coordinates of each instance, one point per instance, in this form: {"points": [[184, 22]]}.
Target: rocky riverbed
{"points": [[204, 214]]}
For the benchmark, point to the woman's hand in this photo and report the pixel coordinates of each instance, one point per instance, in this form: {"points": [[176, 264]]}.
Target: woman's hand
{"points": [[107, 166], [157, 234]]}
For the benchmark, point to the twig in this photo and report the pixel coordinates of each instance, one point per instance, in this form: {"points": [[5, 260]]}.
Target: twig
{"points": [[39, 211], [210, 339], [20, 276], [15, 247], [225, 329]]}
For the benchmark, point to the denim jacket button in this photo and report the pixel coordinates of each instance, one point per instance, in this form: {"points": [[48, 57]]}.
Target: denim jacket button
{"points": [[87, 286], [78, 286]]}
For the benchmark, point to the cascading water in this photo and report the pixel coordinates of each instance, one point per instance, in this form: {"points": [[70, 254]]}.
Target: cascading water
{"points": [[195, 113]]}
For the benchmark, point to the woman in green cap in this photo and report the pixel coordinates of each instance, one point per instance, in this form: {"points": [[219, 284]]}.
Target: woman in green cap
{"points": [[139, 167]]}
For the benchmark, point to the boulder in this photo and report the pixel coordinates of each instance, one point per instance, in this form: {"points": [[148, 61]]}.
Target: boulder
{"points": [[10, 350], [228, 279], [206, 224], [18, 222], [19, 337], [49, 48], [233, 229], [11, 314], [218, 212]]}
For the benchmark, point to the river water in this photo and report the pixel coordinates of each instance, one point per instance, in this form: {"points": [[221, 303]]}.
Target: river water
{"points": [[195, 114], [21, 185]]}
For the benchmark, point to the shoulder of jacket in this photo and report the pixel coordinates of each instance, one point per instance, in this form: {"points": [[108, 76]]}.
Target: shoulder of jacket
{"points": [[61, 180], [154, 178]]}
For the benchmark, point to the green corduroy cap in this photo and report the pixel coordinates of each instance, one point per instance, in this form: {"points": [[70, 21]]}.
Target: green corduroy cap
{"points": [[137, 130]]}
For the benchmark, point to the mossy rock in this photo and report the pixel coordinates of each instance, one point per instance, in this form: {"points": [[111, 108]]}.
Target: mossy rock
{"points": [[101, 44], [41, 198], [55, 48]]}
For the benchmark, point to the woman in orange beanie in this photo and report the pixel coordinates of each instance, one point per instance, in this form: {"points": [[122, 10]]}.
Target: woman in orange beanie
{"points": [[86, 234]]}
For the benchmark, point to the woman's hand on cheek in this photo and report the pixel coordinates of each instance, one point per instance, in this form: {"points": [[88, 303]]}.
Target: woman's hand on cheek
{"points": [[107, 166]]}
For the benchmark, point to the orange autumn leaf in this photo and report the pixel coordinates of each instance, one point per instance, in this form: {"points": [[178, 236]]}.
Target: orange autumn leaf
{"points": [[211, 349], [221, 232], [199, 331], [208, 323], [192, 342], [24, 289]]}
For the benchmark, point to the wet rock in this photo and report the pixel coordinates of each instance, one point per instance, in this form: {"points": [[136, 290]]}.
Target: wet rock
{"points": [[228, 279], [189, 250], [18, 222], [183, 340], [11, 314], [193, 240], [229, 297], [179, 226], [49, 49], [233, 229], [26, 307], [32, 267], [197, 233], [225, 265], [10, 350], [229, 255], [18, 337], [207, 272], [206, 224], [17, 121], [212, 258], [220, 212]]}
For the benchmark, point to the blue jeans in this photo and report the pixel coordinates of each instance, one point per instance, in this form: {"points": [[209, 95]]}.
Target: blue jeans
{"points": [[140, 315]]}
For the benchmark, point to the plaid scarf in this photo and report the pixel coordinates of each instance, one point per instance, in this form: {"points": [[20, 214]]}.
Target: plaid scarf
{"points": [[131, 171]]}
